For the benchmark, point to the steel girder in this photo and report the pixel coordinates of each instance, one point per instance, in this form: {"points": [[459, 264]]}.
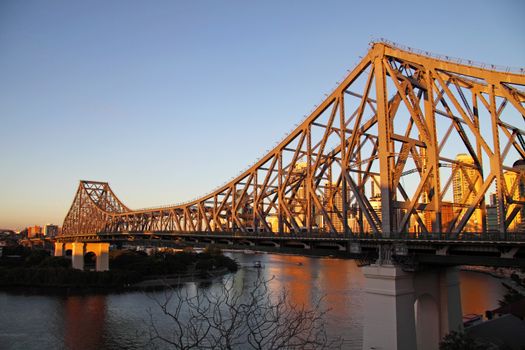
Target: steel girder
{"points": [[378, 155]]}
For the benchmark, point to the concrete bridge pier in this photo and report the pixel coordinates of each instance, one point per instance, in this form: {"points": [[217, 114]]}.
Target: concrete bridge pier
{"points": [[77, 256], [79, 251], [59, 249], [410, 310]]}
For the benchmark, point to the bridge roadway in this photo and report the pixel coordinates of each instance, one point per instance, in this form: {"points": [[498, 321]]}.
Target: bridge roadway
{"points": [[488, 249]]}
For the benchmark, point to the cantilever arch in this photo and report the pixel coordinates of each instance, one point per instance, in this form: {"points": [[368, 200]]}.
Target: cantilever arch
{"points": [[410, 310]]}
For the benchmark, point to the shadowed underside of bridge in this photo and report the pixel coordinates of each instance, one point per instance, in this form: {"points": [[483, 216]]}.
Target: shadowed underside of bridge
{"points": [[378, 156]]}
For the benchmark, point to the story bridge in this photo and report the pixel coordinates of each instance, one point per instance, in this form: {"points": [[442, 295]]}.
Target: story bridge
{"points": [[418, 153]]}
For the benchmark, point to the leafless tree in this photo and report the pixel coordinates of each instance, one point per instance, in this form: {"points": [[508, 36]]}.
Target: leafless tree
{"points": [[230, 318]]}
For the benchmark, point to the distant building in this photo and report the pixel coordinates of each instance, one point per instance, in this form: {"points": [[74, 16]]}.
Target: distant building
{"points": [[299, 199], [34, 231], [50, 230], [354, 219], [447, 215], [334, 204], [244, 209], [273, 222], [492, 214], [492, 218], [466, 185], [516, 189], [493, 199]]}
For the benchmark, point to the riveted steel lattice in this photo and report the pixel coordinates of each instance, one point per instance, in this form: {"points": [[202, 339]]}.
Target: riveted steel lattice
{"points": [[379, 155]]}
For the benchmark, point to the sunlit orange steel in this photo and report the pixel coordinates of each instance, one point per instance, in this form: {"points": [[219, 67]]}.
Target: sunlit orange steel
{"points": [[394, 124]]}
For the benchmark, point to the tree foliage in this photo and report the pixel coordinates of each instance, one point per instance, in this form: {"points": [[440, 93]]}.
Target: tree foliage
{"points": [[511, 296], [462, 341], [166, 263]]}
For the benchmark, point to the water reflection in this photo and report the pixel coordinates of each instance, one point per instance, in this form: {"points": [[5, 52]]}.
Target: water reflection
{"points": [[344, 284], [84, 322], [337, 283], [479, 292], [119, 320], [296, 279]]}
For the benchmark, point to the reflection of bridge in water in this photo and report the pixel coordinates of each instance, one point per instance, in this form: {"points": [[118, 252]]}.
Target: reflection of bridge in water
{"points": [[401, 159]]}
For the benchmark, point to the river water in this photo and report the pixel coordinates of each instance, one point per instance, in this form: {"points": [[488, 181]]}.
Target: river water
{"points": [[121, 321]]}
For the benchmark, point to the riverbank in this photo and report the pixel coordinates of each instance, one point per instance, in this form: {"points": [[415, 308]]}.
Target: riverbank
{"points": [[149, 284], [38, 273], [175, 280]]}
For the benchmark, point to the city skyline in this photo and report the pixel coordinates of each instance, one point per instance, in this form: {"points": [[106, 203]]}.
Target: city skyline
{"points": [[104, 132]]}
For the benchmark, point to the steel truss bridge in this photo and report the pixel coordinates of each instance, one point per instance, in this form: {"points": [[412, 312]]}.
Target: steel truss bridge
{"points": [[377, 158]]}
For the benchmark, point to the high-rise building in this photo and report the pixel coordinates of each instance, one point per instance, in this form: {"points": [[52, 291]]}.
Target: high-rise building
{"points": [[273, 222], [492, 218], [299, 200], [516, 188], [466, 184], [34, 231], [354, 213], [50, 230], [333, 203], [447, 215], [244, 208]]}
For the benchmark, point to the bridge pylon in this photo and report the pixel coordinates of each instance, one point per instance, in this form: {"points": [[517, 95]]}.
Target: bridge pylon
{"points": [[79, 250], [410, 310]]}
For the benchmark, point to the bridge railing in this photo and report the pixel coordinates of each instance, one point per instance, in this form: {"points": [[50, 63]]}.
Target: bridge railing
{"points": [[516, 70], [404, 236]]}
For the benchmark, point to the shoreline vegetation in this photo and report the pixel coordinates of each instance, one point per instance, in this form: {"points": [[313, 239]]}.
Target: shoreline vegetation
{"points": [[36, 272], [27, 271], [512, 279]]}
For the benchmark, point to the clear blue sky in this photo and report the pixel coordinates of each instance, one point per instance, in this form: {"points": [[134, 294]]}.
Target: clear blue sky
{"points": [[168, 99]]}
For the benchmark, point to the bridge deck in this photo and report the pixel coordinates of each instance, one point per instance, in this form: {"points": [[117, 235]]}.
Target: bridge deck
{"points": [[464, 249]]}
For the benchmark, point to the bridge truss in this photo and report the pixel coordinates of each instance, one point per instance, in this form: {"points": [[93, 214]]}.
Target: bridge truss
{"points": [[379, 155]]}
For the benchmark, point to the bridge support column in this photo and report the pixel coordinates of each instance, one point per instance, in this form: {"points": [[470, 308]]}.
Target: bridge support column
{"points": [[437, 306], [410, 310], [77, 255], [389, 309], [59, 249], [101, 251], [451, 310]]}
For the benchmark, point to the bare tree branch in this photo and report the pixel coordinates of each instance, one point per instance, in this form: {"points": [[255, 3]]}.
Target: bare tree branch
{"points": [[250, 317]]}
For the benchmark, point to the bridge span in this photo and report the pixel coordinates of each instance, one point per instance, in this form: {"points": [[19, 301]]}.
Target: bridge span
{"points": [[408, 250], [413, 159]]}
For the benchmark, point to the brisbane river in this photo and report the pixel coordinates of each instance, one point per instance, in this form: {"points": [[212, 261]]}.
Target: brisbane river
{"points": [[121, 321]]}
